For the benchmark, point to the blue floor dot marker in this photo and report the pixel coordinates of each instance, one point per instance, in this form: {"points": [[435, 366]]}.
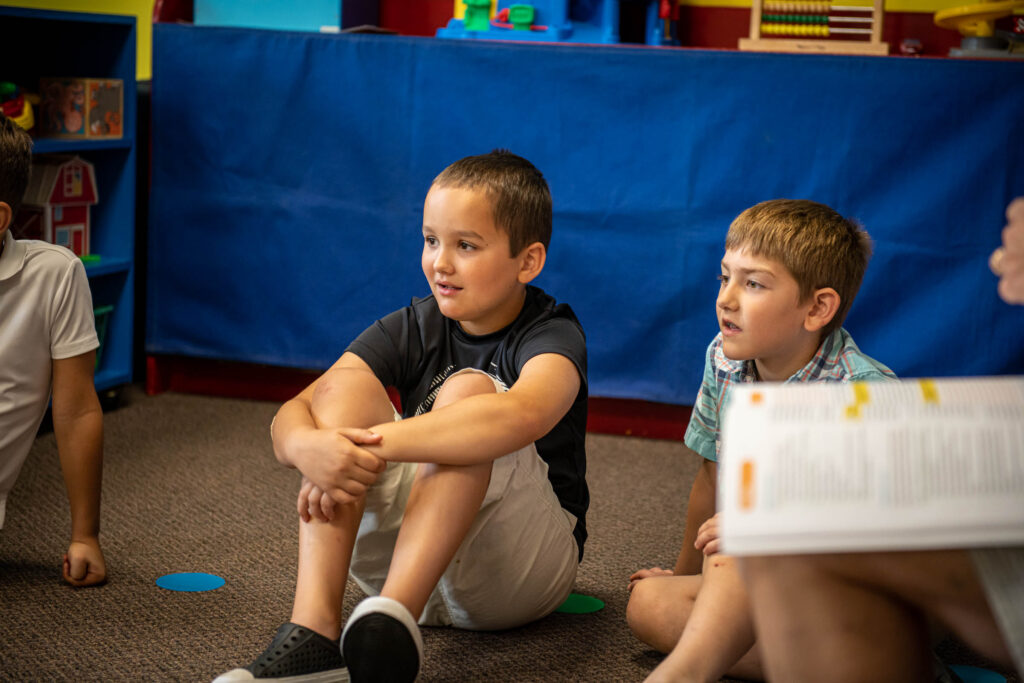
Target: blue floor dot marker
{"points": [[190, 582], [972, 674]]}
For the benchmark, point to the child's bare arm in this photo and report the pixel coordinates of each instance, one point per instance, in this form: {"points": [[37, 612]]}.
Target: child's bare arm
{"points": [[484, 427], [78, 428], [329, 457], [700, 508], [344, 462]]}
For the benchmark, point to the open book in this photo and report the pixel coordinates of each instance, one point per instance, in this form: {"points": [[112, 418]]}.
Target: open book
{"points": [[914, 464]]}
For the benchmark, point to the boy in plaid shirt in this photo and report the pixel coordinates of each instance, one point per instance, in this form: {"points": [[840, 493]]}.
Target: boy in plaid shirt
{"points": [[789, 275]]}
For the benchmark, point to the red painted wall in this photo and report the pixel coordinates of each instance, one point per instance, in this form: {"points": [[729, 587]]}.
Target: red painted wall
{"points": [[419, 18]]}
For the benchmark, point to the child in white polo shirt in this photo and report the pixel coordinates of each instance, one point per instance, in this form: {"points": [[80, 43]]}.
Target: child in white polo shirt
{"points": [[48, 341]]}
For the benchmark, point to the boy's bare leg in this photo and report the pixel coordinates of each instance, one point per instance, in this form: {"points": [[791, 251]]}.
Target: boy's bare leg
{"points": [[857, 617], [719, 635], [345, 397], [442, 504], [659, 608]]}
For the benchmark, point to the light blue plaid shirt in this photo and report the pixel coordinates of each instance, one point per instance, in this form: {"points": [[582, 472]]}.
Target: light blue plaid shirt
{"points": [[838, 360]]}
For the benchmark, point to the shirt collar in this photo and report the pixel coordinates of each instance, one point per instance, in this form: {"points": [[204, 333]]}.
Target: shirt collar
{"points": [[824, 358], [12, 258]]}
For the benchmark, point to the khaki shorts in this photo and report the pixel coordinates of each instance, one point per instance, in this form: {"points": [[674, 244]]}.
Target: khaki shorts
{"points": [[517, 563]]}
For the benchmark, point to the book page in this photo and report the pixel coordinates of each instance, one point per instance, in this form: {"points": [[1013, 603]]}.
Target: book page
{"points": [[902, 465]]}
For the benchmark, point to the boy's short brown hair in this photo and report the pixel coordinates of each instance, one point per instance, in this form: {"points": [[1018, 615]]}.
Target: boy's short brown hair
{"points": [[521, 200], [15, 162], [819, 247]]}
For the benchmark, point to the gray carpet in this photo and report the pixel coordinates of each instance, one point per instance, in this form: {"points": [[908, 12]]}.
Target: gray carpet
{"points": [[190, 484]]}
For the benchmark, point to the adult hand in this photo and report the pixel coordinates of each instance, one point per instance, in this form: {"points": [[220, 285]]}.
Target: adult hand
{"points": [[84, 564], [1008, 260]]}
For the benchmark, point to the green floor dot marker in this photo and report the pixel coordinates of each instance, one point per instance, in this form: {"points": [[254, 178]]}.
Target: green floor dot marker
{"points": [[580, 604]]}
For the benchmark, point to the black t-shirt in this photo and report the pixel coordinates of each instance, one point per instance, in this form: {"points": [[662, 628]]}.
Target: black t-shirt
{"points": [[415, 349]]}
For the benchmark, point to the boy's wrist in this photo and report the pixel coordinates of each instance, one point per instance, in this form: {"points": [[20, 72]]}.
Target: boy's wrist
{"points": [[90, 537], [290, 443]]}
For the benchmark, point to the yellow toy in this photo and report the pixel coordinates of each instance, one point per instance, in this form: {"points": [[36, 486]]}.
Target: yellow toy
{"points": [[976, 23]]}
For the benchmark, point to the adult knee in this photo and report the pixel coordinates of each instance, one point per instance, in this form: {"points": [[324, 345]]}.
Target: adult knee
{"points": [[463, 385]]}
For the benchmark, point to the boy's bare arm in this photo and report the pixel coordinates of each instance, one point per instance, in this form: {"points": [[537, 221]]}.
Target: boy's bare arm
{"points": [[329, 457], [484, 427], [343, 462], [78, 428], [700, 508]]}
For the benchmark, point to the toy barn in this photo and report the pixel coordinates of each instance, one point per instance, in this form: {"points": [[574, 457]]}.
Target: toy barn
{"points": [[57, 202]]}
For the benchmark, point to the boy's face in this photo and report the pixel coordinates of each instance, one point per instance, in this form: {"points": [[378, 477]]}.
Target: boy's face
{"points": [[761, 316], [467, 261]]}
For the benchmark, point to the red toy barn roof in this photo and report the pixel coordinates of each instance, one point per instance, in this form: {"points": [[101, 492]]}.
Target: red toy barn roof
{"points": [[64, 180]]}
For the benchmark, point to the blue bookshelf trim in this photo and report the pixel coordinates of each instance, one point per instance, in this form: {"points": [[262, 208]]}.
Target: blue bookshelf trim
{"points": [[75, 17], [108, 266], [91, 45], [107, 379], [75, 145]]}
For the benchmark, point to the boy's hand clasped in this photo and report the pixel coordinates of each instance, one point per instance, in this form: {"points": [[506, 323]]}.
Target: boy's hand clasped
{"points": [[708, 538], [334, 468]]}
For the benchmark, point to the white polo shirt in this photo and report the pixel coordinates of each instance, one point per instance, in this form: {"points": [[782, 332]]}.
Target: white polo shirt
{"points": [[45, 314]]}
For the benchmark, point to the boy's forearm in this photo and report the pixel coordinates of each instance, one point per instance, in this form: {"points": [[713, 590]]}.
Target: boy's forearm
{"points": [[700, 507], [474, 430], [80, 446]]}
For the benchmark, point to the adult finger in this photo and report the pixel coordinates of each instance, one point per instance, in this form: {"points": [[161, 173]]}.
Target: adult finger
{"points": [[1012, 290], [1015, 210]]}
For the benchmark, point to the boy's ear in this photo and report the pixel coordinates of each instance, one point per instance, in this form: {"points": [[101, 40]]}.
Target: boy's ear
{"points": [[824, 306], [531, 260]]}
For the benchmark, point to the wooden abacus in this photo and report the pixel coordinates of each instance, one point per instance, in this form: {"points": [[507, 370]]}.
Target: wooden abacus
{"points": [[816, 26]]}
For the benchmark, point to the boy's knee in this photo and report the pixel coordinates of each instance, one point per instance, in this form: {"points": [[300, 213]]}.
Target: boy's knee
{"points": [[645, 602], [353, 395], [336, 380], [463, 385]]}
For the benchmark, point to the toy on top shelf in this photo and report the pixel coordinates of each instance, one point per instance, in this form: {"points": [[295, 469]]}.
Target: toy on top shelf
{"points": [[17, 105], [571, 21], [976, 23], [56, 206], [819, 26], [81, 107]]}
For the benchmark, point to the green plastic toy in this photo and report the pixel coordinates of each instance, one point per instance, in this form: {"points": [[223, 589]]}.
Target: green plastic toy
{"points": [[521, 17], [478, 15]]}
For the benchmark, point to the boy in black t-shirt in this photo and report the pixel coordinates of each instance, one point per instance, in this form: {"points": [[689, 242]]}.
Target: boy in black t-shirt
{"points": [[468, 509]]}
